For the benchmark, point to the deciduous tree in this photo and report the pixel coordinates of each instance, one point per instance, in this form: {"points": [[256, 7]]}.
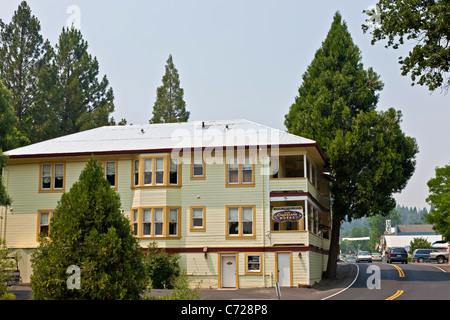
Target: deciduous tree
{"points": [[425, 23]]}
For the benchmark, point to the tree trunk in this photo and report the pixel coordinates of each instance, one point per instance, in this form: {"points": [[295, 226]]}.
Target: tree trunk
{"points": [[334, 249]]}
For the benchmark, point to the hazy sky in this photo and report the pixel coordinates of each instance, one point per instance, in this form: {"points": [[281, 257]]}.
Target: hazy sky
{"points": [[240, 59]]}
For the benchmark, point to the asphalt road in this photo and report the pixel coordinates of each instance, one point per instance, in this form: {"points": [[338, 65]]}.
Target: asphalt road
{"points": [[412, 281]]}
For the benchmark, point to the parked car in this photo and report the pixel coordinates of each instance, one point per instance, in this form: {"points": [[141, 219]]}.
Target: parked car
{"points": [[441, 244], [422, 255], [439, 256], [376, 256], [396, 255], [363, 256]]}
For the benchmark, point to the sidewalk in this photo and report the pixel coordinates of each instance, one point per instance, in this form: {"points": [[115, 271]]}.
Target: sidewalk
{"points": [[345, 275]]}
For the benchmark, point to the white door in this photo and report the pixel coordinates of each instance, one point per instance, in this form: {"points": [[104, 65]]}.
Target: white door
{"points": [[228, 271], [284, 269]]}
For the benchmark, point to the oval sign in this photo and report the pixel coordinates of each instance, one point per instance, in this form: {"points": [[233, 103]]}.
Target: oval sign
{"points": [[287, 215]]}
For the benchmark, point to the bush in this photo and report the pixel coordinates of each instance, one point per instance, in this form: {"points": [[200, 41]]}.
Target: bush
{"points": [[162, 268], [8, 296]]}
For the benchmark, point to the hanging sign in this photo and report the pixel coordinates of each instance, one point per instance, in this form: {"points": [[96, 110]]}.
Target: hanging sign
{"points": [[283, 214]]}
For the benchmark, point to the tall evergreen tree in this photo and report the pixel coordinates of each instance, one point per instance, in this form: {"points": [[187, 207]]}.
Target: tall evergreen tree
{"points": [[83, 101], [366, 151], [7, 121], [21, 49], [89, 230], [169, 105]]}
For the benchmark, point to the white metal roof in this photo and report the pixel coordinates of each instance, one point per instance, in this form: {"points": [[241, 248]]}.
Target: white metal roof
{"points": [[153, 137]]}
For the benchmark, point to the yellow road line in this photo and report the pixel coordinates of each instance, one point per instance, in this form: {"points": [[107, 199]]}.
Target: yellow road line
{"points": [[400, 271], [396, 295]]}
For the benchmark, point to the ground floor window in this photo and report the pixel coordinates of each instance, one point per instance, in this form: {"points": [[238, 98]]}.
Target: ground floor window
{"points": [[253, 262]]}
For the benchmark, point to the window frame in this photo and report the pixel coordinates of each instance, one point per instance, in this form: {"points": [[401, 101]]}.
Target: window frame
{"points": [[191, 219], [52, 177], [253, 272], [116, 170], [240, 161], [165, 235], [195, 156], [240, 234], [167, 159], [38, 229]]}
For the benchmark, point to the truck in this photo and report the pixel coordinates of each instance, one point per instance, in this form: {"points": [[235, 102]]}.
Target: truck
{"points": [[439, 256]]}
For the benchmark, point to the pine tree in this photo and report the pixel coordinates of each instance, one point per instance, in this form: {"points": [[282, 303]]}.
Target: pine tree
{"points": [[7, 121], [368, 155], [84, 101], [169, 105], [89, 230], [21, 49]]}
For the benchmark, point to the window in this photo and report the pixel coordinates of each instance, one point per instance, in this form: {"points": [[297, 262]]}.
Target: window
{"points": [[247, 220], [198, 219], [46, 176], [247, 171], [233, 221], [198, 168], [147, 222], [158, 223], [110, 172], [233, 172], [135, 219], [240, 172], [173, 222], [253, 263], [43, 227], [136, 173], [52, 177], [173, 174], [240, 222], [159, 171], [148, 171], [58, 182]]}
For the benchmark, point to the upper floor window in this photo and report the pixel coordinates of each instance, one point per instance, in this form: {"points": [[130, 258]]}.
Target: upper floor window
{"points": [[156, 171], [198, 168], [52, 177], [240, 172], [240, 222], [110, 172]]}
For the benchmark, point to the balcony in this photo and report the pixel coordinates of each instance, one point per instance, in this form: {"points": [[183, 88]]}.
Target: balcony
{"points": [[296, 173]]}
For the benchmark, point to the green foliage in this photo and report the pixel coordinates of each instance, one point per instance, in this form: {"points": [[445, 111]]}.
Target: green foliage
{"points": [[162, 268], [419, 243], [7, 118], [6, 264], [21, 49], [181, 291], [169, 105], [89, 230], [8, 296], [439, 200], [425, 23], [367, 153], [55, 91]]}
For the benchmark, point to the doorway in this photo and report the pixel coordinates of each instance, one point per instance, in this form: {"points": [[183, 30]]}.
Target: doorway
{"points": [[284, 270], [228, 268]]}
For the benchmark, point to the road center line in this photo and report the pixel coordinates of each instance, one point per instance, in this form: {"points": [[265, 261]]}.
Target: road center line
{"points": [[396, 295], [401, 274]]}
